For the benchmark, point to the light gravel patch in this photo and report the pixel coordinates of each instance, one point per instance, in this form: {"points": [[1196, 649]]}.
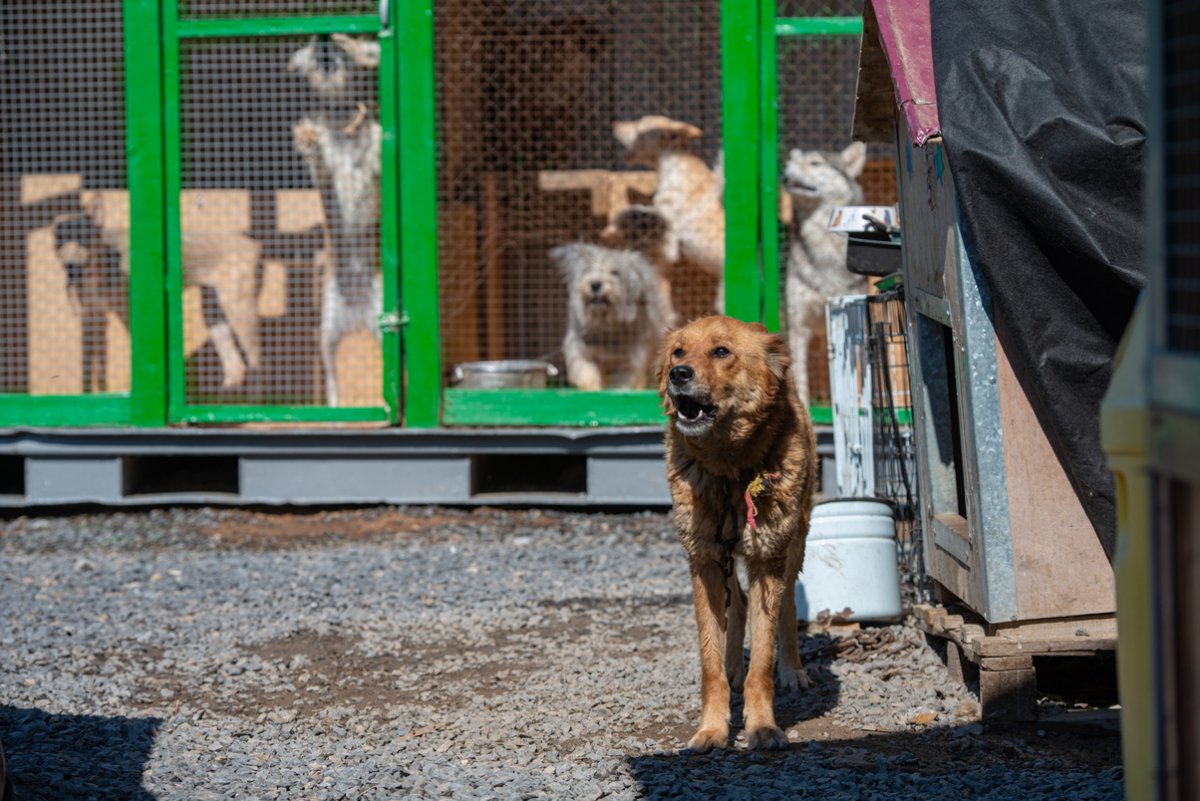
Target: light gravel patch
{"points": [[431, 653]]}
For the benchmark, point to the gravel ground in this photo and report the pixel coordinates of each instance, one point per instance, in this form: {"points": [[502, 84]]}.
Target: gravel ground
{"points": [[430, 653]]}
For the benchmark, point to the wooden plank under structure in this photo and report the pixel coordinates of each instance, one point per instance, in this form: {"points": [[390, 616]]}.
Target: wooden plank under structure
{"points": [[1004, 654]]}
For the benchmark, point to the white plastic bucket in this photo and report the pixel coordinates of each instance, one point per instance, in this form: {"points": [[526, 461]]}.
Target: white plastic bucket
{"points": [[850, 562]]}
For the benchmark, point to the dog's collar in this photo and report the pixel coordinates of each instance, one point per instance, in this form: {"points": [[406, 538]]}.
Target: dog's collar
{"points": [[761, 485]]}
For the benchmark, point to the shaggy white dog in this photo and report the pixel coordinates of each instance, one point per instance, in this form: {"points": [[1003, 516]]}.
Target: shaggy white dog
{"points": [[617, 314]]}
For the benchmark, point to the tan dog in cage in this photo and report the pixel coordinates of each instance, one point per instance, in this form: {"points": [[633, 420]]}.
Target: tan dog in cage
{"points": [[616, 316], [96, 262], [742, 467], [688, 195], [341, 144]]}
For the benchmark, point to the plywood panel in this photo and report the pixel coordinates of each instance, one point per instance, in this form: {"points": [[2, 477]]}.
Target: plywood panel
{"points": [[1060, 567]]}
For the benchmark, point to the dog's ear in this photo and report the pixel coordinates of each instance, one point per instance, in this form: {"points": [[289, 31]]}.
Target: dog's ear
{"points": [[854, 157], [779, 361], [626, 132], [661, 370], [565, 257]]}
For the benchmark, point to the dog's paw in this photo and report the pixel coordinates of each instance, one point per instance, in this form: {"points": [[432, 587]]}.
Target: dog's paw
{"points": [[585, 376], [306, 135], [768, 738], [707, 739], [793, 679]]}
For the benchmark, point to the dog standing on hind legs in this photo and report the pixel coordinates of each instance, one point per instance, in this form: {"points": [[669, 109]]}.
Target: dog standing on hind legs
{"points": [[342, 147], [742, 467], [817, 182]]}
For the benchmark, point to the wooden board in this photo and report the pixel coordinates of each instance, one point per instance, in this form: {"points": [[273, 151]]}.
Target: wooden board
{"points": [[980, 641], [1059, 565], [1004, 658]]}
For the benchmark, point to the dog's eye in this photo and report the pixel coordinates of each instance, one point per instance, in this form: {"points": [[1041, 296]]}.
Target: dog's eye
{"points": [[677, 353], [720, 352]]}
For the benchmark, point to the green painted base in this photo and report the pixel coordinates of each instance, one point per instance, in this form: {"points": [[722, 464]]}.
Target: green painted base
{"points": [[35, 411], [563, 407], [551, 407]]}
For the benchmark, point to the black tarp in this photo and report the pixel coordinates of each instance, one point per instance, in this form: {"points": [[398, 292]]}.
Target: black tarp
{"points": [[1042, 110]]}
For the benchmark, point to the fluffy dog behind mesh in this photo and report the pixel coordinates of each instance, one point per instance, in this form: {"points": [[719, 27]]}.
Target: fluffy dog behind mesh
{"points": [[688, 194], [616, 316], [817, 182], [341, 145]]}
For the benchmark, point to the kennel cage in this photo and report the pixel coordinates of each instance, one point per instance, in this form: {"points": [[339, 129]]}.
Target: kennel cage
{"points": [[164, 134]]}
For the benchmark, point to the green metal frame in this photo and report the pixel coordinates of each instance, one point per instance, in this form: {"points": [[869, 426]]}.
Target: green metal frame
{"points": [[553, 407], [418, 215], [771, 29], [175, 31]]}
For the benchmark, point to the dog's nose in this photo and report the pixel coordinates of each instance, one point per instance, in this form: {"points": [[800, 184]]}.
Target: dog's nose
{"points": [[681, 374], [596, 286]]}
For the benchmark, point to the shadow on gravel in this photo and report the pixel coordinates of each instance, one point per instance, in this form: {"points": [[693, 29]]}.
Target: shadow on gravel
{"points": [[60, 757], [1005, 761]]}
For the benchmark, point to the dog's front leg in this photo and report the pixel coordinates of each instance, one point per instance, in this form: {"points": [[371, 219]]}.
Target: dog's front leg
{"points": [[582, 372], [735, 634], [708, 595], [766, 596]]}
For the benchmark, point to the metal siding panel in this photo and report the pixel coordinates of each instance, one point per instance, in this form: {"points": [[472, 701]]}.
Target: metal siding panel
{"points": [[73, 480], [348, 480]]}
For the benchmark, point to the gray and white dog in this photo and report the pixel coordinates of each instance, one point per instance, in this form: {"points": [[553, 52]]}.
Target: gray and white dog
{"points": [[341, 145], [818, 181], [617, 314]]}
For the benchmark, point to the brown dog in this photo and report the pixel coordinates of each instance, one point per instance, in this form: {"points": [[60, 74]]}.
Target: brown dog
{"points": [[741, 462]]}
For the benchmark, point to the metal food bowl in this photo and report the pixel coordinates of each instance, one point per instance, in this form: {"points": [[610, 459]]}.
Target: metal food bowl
{"points": [[504, 374]]}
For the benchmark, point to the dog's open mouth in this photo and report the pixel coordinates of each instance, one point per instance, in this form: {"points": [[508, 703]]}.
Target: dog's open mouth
{"points": [[798, 186], [691, 414]]}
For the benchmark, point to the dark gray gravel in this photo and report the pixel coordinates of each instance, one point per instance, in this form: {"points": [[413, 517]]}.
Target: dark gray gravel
{"points": [[427, 653]]}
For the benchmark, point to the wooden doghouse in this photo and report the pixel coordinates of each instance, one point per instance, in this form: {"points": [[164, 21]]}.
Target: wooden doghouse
{"points": [[1006, 537]]}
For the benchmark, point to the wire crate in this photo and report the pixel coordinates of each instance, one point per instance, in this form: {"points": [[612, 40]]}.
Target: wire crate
{"points": [[895, 458]]}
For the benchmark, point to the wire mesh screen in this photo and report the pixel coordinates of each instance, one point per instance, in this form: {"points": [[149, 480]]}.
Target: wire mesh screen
{"points": [[1182, 179], [279, 217], [816, 79], [894, 444], [265, 8], [64, 208], [564, 236]]}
